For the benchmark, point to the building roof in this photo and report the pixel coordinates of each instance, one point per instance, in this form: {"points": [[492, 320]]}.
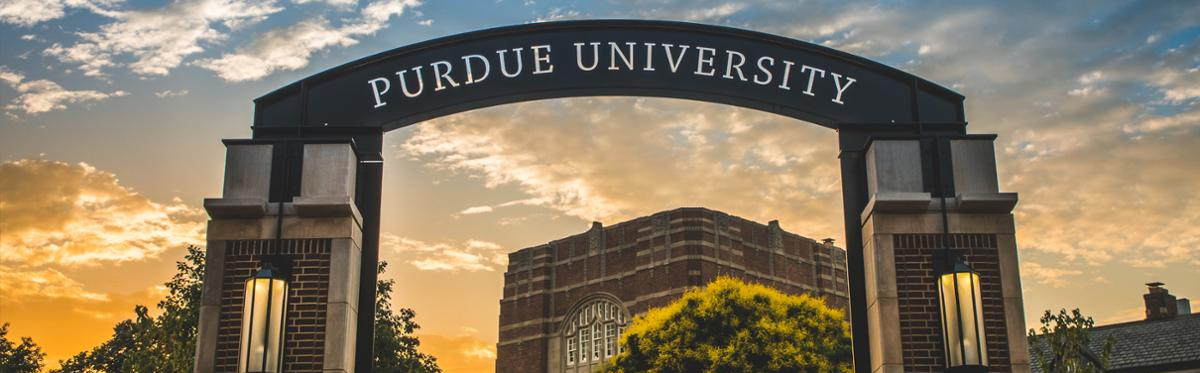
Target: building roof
{"points": [[1147, 345], [689, 210]]}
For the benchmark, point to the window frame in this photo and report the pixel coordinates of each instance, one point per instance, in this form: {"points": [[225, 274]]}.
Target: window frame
{"points": [[592, 332]]}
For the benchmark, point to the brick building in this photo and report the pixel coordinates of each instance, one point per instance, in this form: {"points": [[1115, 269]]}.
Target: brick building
{"points": [[565, 302]]}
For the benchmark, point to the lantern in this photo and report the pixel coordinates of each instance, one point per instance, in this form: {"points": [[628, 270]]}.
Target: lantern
{"points": [[263, 321], [962, 318]]}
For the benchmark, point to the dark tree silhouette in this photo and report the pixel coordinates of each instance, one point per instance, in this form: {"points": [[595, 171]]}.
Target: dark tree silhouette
{"points": [[24, 357], [167, 343], [395, 344]]}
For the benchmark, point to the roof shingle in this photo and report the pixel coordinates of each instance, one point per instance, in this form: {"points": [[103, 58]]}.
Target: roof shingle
{"points": [[1147, 343]]}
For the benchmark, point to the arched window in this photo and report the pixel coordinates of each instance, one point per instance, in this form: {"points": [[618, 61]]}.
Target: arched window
{"points": [[590, 333]]}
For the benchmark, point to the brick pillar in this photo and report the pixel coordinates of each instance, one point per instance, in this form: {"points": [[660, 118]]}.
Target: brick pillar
{"points": [[318, 232], [903, 231]]}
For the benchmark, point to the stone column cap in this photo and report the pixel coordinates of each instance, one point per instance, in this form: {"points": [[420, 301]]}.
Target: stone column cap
{"points": [[986, 202], [326, 207], [896, 201], [235, 208]]}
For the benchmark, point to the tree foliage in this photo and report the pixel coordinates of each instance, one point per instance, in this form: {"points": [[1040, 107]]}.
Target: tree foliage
{"points": [[1062, 344], [24, 357], [395, 344], [166, 343], [731, 326]]}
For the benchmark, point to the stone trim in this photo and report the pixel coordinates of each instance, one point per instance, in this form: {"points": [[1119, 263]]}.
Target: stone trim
{"points": [[1014, 308], [676, 259], [210, 307]]}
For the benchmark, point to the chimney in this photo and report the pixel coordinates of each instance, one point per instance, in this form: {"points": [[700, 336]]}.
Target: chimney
{"points": [[827, 241], [1184, 306], [1160, 304]]}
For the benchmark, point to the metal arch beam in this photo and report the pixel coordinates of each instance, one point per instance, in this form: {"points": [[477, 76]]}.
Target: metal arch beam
{"points": [[647, 58]]}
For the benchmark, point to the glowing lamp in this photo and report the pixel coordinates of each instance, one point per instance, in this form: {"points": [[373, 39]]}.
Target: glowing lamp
{"points": [[263, 321], [962, 318]]}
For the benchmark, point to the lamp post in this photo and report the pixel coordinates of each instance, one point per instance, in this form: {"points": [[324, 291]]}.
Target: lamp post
{"points": [[263, 321], [959, 299], [962, 317]]}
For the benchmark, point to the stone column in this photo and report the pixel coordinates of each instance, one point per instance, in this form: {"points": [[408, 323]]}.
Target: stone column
{"points": [[902, 233], [318, 232]]}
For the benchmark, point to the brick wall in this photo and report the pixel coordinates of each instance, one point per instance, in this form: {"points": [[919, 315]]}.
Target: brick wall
{"points": [[307, 297], [649, 262], [920, 321]]}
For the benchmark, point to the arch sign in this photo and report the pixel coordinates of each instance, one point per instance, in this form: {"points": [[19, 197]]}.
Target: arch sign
{"points": [[591, 58], [904, 154]]}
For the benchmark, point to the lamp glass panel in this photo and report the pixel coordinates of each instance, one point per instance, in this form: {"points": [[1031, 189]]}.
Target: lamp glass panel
{"points": [[262, 325], [254, 324], [275, 325], [962, 311]]}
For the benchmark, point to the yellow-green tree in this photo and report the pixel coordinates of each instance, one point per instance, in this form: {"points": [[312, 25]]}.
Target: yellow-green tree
{"points": [[1063, 345], [730, 326]]}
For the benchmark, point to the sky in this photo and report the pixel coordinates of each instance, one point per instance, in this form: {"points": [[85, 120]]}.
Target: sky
{"points": [[113, 112]]}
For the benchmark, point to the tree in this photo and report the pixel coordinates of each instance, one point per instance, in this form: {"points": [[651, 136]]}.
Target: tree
{"points": [[395, 344], [730, 326], [1063, 344], [25, 357], [162, 344], [167, 343]]}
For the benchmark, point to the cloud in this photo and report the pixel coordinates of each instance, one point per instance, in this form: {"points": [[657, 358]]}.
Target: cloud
{"points": [[714, 13], [73, 215], [476, 210], [157, 40], [481, 351], [291, 48], [24, 284], [594, 159], [469, 256], [31, 12], [64, 226], [337, 3], [41, 96], [1055, 277], [282, 49], [558, 14], [171, 93]]}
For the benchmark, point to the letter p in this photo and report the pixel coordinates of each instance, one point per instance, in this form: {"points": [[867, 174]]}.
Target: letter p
{"points": [[379, 92]]}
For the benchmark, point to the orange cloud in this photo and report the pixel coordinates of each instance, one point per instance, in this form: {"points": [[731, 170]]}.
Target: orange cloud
{"points": [[20, 285], [471, 256], [60, 223], [75, 215]]}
